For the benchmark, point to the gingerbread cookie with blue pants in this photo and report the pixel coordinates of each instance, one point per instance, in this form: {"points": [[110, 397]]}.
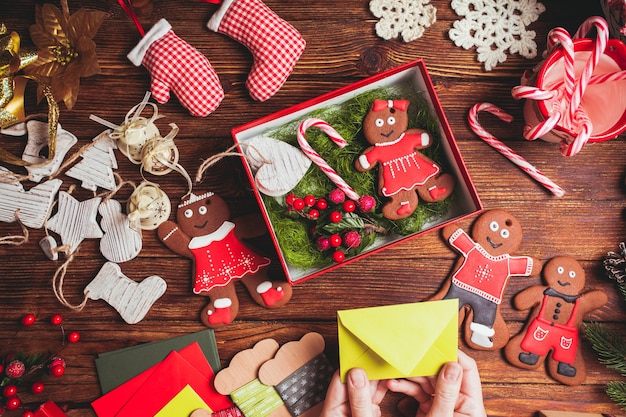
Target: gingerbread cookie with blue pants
{"points": [[480, 276], [205, 234], [552, 332]]}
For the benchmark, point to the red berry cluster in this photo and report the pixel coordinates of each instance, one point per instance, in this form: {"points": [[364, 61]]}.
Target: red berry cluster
{"points": [[332, 209], [16, 370]]}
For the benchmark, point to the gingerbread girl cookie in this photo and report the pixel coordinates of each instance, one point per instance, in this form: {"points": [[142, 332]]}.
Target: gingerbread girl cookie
{"points": [[480, 276], [404, 173], [551, 334], [204, 234]]}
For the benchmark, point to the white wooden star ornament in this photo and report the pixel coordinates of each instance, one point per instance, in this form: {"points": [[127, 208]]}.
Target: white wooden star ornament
{"points": [[75, 220]]}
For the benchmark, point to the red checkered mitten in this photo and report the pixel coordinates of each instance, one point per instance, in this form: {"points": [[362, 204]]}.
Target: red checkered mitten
{"points": [[274, 43], [175, 65]]}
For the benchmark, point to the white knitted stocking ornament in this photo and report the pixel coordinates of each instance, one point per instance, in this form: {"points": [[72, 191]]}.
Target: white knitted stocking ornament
{"points": [[274, 43]]}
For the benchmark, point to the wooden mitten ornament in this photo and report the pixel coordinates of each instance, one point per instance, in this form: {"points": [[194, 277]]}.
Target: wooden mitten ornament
{"points": [[34, 205], [404, 173], [131, 299], [481, 274], [120, 242], [240, 381], [204, 234], [551, 334], [37, 148], [301, 373]]}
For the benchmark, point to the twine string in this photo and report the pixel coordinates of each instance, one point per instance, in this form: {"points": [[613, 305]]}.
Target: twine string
{"points": [[16, 240]]}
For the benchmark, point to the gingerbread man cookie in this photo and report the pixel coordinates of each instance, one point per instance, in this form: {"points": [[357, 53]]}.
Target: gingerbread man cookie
{"points": [[480, 276], [551, 334], [404, 173], [205, 234]]}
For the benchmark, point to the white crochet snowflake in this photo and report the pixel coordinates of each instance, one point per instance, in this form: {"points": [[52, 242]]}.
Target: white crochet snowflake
{"points": [[408, 18], [495, 27]]}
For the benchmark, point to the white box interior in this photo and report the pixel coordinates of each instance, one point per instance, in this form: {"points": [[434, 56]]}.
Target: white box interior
{"points": [[465, 201]]}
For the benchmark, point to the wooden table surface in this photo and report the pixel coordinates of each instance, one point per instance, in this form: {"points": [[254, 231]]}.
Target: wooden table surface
{"points": [[342, 48]]}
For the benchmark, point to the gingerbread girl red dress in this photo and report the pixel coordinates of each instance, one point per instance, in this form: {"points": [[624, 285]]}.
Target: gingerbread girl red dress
{"points": [[205, 234], [404, 173], [220, 257]]}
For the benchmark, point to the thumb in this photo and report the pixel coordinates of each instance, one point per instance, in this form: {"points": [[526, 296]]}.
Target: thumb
{"points": [[447, 390], [359, 393]]}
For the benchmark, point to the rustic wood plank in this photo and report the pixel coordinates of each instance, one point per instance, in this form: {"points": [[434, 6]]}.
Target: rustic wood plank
{"points": [[342, 48]]}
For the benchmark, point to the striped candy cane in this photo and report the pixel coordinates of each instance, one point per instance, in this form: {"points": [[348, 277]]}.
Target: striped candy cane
{"points": [[509, 153], [568, 112], [318, 160], [599, 47]]}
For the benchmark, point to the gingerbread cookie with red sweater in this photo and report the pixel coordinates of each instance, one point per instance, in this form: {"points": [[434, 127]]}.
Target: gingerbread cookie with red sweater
{"points": [[205, 234], [551, 334], [482, 272], [404, 173]]}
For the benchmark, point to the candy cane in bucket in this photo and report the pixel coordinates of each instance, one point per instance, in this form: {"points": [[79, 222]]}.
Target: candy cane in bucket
{"points": [[509, 153], [557, 113], [318, 160]]}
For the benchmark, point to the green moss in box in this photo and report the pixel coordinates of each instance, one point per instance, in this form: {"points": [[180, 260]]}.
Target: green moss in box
{"points": [[293, 231]]}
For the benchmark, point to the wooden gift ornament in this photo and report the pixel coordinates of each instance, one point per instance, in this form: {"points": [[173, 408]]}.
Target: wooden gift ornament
{"points": [[33, 205], [131, 299], [120, 242], [240, 381], [98, 161], [37, 147], [552, 332], [301, 373]]}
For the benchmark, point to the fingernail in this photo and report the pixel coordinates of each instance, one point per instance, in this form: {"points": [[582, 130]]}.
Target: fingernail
{"points": [[358, 378], [452, 372]]}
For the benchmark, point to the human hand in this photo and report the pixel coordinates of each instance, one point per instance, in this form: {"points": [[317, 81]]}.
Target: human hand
{"points": [[455, 392], [358, 397]]}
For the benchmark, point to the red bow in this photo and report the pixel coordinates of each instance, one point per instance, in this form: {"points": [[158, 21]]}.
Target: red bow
{"points": [[401, 105]]}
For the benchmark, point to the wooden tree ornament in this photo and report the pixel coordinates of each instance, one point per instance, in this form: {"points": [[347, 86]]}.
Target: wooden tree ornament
{"points": [[96, 168]]}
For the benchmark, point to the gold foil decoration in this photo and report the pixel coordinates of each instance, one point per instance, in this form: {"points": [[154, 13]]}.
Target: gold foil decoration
{"points": [[66, 50], [53, 123], [12, 60]]}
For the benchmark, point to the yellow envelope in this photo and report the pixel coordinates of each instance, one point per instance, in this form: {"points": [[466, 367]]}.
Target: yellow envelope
{"points": [[183, 404], [399, 341]]}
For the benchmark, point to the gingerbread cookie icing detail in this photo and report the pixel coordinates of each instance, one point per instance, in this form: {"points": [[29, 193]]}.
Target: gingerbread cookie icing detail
{"points": [[404, 173]]}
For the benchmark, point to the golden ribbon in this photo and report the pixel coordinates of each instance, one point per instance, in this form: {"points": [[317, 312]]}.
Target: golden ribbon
{"points": [[12, 88]]}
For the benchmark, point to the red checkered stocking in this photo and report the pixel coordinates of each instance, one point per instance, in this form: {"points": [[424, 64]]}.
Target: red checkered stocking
{"points": [[274, 43], [175, 65]]}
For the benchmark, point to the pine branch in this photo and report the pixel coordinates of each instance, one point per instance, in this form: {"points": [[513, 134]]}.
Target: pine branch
{"points": [[609, 344], [617, 392]]}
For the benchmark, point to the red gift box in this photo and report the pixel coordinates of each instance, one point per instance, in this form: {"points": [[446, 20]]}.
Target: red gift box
{"points": [[465, 200]]}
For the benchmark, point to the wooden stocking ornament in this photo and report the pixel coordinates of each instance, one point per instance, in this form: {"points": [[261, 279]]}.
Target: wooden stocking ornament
{"points": [[131, 299]]}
